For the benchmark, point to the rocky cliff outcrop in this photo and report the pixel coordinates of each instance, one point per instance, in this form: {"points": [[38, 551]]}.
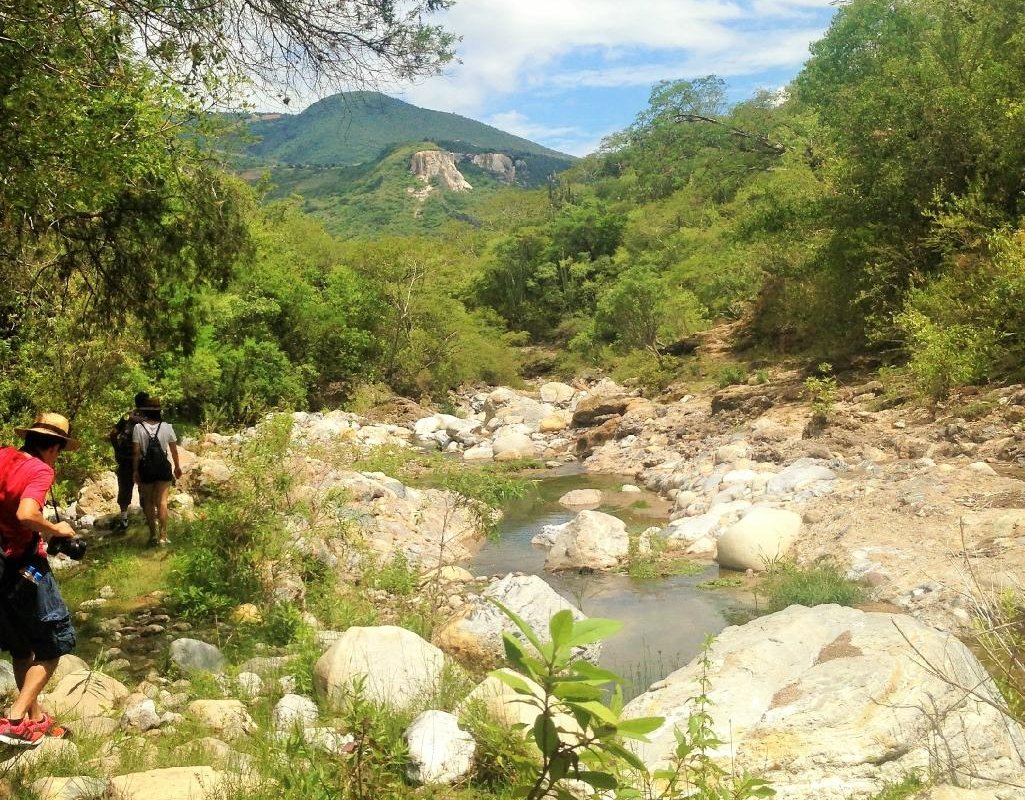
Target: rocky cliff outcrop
{"points": [[431, 165], [441, 168], [496, 163]]}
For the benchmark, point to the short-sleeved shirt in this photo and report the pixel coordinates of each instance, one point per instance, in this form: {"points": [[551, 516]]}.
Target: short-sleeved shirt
{"points": [[22, 476], [165, 435]]}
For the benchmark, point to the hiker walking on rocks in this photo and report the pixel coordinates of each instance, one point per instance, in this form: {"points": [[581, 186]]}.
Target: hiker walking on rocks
{"points": [[35, 626], [122, 439], [155, 440]]}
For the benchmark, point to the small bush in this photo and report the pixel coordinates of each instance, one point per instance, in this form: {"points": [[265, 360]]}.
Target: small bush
{"points": [[730, 375], [786, 584]]}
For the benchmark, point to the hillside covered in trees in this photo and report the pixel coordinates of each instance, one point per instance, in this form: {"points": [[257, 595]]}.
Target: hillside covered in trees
{"points": [[873, 206]]}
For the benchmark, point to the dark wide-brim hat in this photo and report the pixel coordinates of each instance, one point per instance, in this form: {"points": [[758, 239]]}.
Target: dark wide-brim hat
{"points": [[52, 425], [151, 404]]}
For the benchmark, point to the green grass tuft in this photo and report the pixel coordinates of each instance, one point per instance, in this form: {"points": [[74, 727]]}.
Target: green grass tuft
{"points": [[786, 584]]}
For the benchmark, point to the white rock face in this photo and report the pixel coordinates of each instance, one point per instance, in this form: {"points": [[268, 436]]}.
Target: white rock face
{"points": [[762, 536], [429, 165], [581, 498], [477, 630], [830, 703], [439, 750], [395, 666], [498, 163], [801, 474], [592, 539], [482, 452]]}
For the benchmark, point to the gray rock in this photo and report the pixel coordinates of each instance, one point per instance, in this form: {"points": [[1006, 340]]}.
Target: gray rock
{"points": [[141, 716], [799, 475], [192, 654]]}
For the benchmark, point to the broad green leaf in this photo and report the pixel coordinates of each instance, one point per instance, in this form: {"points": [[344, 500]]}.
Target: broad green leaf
{"points": [[559, 766], [595, 709], [546, 737], [640, 726], [577, 691], [622, 753], [591, 672], [512, 680], [561, 628], [599, 780], [524, 628], [592, 630]]}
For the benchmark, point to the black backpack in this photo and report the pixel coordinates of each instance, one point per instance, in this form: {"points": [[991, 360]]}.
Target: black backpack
{"points": [[154, 465]]}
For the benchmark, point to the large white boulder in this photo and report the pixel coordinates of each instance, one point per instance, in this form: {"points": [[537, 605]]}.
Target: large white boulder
{"points": [[581, 498], [476, 631], [439, 750], [511, 446], [174, 783], [85, 693], [394, 667], [229, 718], [831, 703], [80, 787], [557, 393], [762, 536], [591, 540]]}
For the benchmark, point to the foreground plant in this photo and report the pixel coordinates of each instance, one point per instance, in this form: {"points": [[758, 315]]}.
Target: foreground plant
{"points": [[581, 733]]}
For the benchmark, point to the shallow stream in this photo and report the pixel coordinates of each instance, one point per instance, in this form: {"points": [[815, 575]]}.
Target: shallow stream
{"points": [[665, 620]]}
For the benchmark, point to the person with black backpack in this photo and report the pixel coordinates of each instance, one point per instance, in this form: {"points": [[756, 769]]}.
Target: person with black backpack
{"points": [[122, 439], [154, 441]]}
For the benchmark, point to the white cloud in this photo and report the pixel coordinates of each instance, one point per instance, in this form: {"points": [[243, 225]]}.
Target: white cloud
{"points": [[512, 46], [570, 139]]}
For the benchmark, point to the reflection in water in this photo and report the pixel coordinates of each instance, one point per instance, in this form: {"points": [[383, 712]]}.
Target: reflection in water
{"points": [[664, 621]]}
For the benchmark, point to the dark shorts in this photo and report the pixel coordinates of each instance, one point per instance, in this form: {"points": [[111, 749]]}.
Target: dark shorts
{"points": [[125, 484], [34, 621]]}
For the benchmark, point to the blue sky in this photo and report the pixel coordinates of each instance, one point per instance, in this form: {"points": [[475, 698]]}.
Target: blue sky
{"points": [[568, 72]]}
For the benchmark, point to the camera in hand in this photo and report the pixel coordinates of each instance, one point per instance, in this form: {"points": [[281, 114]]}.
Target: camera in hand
{"points": [[72, 548]]}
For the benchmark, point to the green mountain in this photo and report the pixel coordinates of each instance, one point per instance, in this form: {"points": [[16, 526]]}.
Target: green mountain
{"points": [[359, 127], [350, 157]]}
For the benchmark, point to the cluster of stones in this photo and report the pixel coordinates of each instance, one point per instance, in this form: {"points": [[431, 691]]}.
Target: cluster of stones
{"points": [[827, 703]]}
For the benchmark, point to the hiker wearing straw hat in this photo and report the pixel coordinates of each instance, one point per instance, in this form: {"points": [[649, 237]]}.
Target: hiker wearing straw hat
{"points": [[155, 440], [35, 625]]}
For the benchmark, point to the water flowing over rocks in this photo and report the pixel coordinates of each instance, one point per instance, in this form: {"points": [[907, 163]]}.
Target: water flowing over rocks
{"points": [[830, 703]]}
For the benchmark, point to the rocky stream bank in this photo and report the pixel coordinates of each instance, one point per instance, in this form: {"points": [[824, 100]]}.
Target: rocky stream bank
{"points": [[826, 702]]}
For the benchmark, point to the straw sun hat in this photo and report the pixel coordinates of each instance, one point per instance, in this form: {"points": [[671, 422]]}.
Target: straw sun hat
{"points": [[52, 425]]}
